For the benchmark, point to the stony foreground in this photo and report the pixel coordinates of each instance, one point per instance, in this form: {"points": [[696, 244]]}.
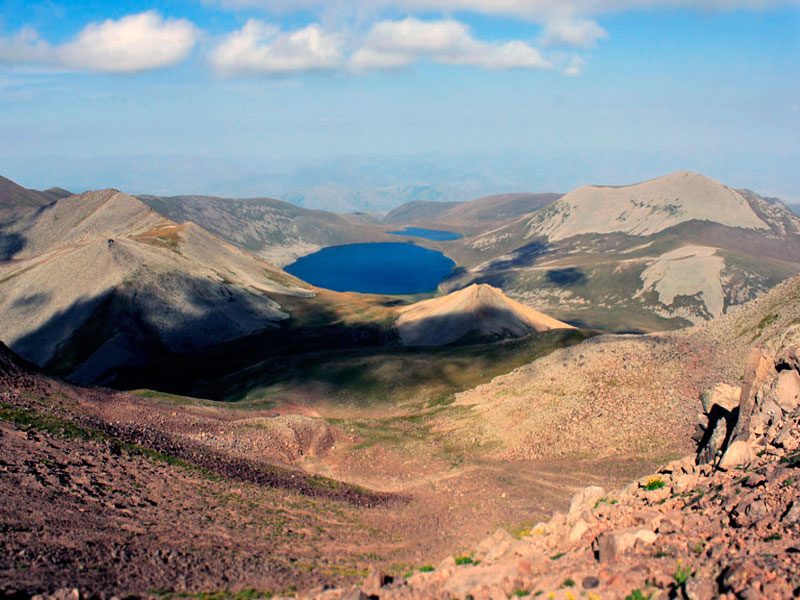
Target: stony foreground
{"points": [[724, 523]]}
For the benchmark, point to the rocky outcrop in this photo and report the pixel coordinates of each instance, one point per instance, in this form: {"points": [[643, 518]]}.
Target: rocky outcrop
{"points": [[724, 522]]}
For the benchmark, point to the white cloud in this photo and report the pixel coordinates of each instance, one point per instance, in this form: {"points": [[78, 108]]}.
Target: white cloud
{"points": [[134, 43], [262, 48], [140, 42], [392, 44], [24, 47], [575, 32]]}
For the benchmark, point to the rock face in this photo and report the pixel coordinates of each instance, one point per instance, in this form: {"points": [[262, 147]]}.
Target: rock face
{"points": [[478, 311], [724, 522]]}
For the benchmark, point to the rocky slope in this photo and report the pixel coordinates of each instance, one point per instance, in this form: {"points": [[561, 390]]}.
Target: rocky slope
{"points": [[477, 312], [724, 522], [274, 230], [676, 250]]}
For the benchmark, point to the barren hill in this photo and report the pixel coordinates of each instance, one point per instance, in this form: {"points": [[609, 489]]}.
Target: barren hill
{"points": [[646, 208], [99, 280], [662, 254], [274, 230], [13, 195], [476, 312], [472, 216]]}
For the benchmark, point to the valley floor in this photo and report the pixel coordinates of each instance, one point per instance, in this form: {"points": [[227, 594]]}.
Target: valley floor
{"points": [[152, 494]]}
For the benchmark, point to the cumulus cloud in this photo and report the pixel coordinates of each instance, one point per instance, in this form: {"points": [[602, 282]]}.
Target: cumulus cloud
{"points": [[566, 22], [262, 48], [135, 43], [392, 44]]}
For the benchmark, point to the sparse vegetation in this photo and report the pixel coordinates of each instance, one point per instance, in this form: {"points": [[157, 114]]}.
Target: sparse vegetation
{"points": [[682, 573], [655, 483]]}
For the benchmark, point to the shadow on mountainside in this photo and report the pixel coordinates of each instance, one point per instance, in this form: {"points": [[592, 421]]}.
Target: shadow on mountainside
{"points": [[10, 244], [120, 340], [129, 337], [566, 277], [524, 256]]}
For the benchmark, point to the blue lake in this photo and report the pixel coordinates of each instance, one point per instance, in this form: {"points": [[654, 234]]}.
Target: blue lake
{"points": [[428, 234], [375, 268]]}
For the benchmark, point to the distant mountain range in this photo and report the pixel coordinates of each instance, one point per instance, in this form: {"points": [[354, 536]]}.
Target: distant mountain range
{"points": [[675, 250], [97, 282]]}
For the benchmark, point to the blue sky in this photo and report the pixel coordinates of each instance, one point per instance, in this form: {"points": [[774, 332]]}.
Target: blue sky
{"points": [[268, 97]]}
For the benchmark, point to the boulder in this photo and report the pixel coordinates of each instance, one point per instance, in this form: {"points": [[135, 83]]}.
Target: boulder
{"points": [[759, 370], [722, 395], [739, 453], [584, 500], [792, 515], [611, 544], [785, 390], [788, 353], [749, 512], [375, 581], [579, 528], [494, 546]]}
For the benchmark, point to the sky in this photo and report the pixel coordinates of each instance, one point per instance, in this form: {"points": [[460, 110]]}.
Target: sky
{"points": [[313, 101]]}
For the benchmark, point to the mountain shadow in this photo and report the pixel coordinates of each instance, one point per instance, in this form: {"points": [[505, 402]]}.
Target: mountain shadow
{"points": [[566, 277]]}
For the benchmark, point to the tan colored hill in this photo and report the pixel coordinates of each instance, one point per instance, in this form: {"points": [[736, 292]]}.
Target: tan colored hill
{"points": [[100, 280], [478, 311], [647, 208], [662, 254]]}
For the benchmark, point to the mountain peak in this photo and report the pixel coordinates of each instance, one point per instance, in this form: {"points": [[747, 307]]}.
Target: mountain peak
{"points": [[649, 207], [479, 310]]}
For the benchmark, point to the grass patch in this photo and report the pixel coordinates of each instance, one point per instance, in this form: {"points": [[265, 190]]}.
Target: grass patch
{"points": [[654, 483], [28, 420], [464, 560], [682, 574]]}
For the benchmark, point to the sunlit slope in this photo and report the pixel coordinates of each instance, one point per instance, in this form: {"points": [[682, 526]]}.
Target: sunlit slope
{"points": [[475, 312]]}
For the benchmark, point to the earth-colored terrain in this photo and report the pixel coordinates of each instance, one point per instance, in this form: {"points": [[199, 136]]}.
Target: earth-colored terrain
{"points": [[415, 474], [270, 438], [480, 311]]}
